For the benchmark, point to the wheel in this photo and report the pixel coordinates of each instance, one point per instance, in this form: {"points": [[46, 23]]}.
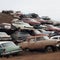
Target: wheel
{"points": [[49, 49]]}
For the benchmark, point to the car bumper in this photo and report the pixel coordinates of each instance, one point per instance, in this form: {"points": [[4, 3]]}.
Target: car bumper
{"points": [[12, 52]]}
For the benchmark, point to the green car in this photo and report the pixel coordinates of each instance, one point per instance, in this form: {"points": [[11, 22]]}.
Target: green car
{"points": [[8, 47]]}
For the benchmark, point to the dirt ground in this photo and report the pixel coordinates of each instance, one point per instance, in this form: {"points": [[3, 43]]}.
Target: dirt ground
{"points": [[35, 56]]}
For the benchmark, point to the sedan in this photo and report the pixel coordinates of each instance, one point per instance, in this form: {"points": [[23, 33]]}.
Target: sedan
{"points": [[8, 47]]}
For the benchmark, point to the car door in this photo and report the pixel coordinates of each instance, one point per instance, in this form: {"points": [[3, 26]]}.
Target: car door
{"points": [[31, 44], [39, 43]]}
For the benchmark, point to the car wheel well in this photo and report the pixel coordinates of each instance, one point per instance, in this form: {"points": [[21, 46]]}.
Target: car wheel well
{"points": [[49, 46], [53, 48]]}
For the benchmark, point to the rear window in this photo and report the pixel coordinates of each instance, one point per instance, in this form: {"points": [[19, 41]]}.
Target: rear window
{"points": [[55, 38]]}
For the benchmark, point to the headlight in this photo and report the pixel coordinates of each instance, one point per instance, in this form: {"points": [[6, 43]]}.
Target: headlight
{"points": [[57, 45]]}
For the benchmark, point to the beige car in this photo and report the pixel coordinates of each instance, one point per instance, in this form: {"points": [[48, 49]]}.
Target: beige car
{"points": [[40, 42]]}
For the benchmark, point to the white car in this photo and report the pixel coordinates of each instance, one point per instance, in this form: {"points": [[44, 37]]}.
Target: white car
{"points": [[5, 25], [22, 25], [56, 37], [4, 36]]}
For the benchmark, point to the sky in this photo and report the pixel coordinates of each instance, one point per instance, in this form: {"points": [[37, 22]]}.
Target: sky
{"points": [[42, 7]]}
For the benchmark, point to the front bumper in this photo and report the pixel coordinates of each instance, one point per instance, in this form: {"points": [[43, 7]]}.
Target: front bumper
{"points": [[12, 52]]}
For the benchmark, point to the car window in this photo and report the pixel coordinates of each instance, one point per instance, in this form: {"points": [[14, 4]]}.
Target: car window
{"points": [[23, 33], [31, 40], [36, 39], [39, 39], [55, 37], [8, 44]]}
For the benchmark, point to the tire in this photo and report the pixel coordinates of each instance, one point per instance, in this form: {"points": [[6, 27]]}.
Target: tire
{"points": [[49, 49]]}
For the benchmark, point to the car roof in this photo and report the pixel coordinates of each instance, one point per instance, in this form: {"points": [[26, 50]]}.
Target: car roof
{"points": [[1, 42], [42, 35]]}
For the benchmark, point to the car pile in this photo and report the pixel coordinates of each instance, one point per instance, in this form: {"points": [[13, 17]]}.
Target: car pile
{"points": [[30, 32]]}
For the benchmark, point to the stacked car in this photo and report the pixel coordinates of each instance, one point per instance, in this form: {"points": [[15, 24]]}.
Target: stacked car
{"points": [[30, 32]]}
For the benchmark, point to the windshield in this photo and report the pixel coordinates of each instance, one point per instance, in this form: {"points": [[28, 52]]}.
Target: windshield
{"points": [[8, 44], [23, 34]]}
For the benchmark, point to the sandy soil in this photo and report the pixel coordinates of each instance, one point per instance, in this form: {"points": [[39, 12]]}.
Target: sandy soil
{"points": [[35, 56]]}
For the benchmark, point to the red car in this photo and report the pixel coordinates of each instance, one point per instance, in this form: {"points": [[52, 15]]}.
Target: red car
{"points": [[52, 28], [44, 21], [31, 21]]}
